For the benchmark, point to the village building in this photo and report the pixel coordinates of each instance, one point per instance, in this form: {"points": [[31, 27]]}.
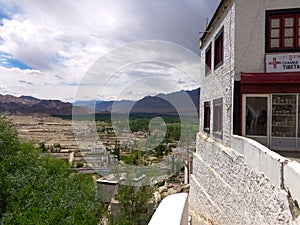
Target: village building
{"points": [[250, 109]]}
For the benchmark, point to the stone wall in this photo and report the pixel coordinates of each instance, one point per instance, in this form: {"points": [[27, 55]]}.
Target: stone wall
{"points": [[218, 83], [254, 186]]}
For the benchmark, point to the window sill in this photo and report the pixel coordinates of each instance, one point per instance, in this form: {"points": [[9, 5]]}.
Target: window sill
{"points": [[207, 73], [207, 130], [218, 134], [218, 65]]}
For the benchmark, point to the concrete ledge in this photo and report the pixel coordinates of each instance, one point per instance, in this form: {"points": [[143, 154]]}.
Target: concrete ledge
{"points": [[173, 210], [260, 158], [292, 179]]}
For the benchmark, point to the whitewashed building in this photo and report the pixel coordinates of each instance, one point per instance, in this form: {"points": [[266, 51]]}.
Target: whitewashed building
{"points": [[250, 103]]}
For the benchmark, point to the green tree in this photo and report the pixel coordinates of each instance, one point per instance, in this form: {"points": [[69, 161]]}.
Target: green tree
{"points": [[9, 140], [117, 151], [160, 150], [43, 147], [39, 189], [135, 207]]}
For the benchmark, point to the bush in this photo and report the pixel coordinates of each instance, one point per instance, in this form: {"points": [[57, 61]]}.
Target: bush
{"points": [[79, 165], [41, 190]]}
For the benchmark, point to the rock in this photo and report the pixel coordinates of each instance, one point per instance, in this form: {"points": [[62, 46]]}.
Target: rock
{"points": [[157, 196], [162, 189], [185, 188], [172, 191]]}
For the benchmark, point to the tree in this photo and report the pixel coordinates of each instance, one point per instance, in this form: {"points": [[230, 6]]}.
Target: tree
{"points": [[117, 152], [160, 150], [39, 189], [43, 147], [135, 207], [9, 140]]}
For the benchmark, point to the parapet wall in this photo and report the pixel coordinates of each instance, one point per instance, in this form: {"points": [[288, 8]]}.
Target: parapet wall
{"points": [[243, 184]]}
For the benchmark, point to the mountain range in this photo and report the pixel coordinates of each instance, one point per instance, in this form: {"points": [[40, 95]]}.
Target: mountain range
{"points": [[159, 104], [186, 101], [25, 105]]}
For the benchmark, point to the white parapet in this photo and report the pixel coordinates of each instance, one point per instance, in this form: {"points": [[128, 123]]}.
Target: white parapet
{"points": [[260, 158], [173, 210], [292, 179]]}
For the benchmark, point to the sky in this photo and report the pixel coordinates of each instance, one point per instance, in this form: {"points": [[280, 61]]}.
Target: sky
{"points": [[47, 47]]}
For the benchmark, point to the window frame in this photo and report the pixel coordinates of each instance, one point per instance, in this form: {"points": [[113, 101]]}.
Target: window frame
{"points": [[282, 15], [206, 117], [218, 118], [219, 48], [208, 59]]}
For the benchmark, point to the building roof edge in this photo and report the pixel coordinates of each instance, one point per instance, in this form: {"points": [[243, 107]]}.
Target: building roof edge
{"points": [[218, 11]]}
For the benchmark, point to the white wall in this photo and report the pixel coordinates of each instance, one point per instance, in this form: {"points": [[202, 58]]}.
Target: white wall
{"points": [[250, 32], [236, 180], [292, 180], [219, 83], [231, 187], [173, 210]]}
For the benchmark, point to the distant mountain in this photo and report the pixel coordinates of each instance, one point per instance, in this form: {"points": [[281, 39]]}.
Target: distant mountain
{"points": [[28, 105], [104, 106], [185, 102], [166, 104], [159, 104]]}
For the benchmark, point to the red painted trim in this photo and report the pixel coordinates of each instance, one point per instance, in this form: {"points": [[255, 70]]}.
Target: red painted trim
{"points": [[267, 83], [282, 27], [270, 78]]}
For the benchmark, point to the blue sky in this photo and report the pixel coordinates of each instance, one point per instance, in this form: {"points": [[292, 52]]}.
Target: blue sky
{"points": [[7, 60], [46, 47]]}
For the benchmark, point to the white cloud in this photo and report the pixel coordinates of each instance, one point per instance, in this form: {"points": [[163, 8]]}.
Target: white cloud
{"points": [[62, 39]]}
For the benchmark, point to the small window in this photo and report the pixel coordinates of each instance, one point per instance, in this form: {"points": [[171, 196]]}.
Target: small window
{"points": [[218, 118], [219, 49], [208, 60], [207, 117], [283, 30]]}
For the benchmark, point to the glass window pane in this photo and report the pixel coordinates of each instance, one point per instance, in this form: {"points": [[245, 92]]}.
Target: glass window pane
{"points": [[275, 23], [299, 42], [256, 116], [284, 115], [288, 42], [275, 33], [218, 117], [289, 32], [299, 31], [274, 43], [289, 22]]}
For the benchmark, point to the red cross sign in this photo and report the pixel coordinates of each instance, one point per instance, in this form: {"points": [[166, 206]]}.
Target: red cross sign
{"points": [[274, 63]]}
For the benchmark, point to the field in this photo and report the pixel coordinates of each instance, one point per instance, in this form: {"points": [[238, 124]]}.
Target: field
{"points": [[56, 135]]}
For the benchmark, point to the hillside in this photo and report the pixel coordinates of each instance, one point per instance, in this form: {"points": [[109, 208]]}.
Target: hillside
{"points": [[158, 104], [25, 105]]}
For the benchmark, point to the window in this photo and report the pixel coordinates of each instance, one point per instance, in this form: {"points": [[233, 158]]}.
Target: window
{"points": [[283, 30], [207, 117], [219, 49], [208, 59], [218, 118]]}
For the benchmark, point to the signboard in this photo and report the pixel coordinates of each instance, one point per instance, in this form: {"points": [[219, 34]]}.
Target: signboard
{"points": [[283, 62]]}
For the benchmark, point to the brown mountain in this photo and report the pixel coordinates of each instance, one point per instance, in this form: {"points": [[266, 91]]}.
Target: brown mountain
{"points": [[28, 105], [183, 102]]}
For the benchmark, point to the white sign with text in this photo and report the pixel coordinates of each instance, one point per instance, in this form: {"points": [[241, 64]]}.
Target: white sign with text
{"points": [[283, 62]]}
